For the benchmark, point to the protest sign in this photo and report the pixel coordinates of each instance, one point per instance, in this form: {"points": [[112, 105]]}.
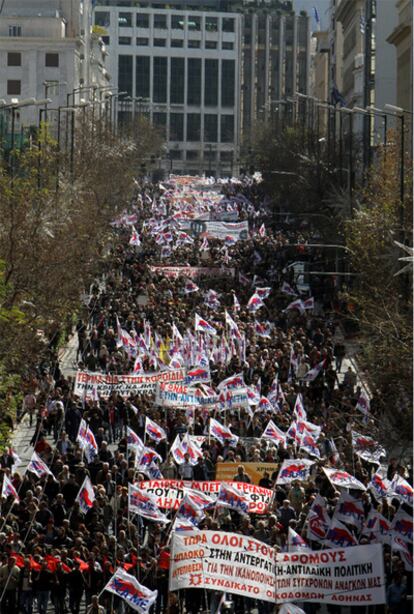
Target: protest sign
{"points": [[192, 272], [169, 493], [178, 395], [255, 471], [216, 229], [126, 385], [241, 565]]}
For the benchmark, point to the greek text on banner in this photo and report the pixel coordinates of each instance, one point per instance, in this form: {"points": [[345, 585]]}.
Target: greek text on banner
{"points": [[169, 493], [125, 385], [239, 564]]}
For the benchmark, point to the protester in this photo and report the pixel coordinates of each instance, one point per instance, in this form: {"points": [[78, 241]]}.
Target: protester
{"points": [[265, 363]]}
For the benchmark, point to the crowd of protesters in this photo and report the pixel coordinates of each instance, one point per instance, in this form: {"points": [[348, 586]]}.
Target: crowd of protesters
{"points": [[53, 554]]}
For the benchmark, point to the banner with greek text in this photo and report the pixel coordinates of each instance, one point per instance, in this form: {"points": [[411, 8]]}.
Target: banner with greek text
{"points": [[178, 395], [192, 272], [215, 229], [169, 493], [255, 471], [244, 566], [126, 385]]}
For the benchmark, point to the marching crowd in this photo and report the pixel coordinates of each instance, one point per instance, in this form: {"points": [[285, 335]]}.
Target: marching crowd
{"points": [[264, 351]]}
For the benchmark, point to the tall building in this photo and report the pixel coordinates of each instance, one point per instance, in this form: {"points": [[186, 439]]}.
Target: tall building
{"points": [[47, 49], [367, 62], [205, 71], [276, 60], [402, 39], [320, 67], [182, 67]]}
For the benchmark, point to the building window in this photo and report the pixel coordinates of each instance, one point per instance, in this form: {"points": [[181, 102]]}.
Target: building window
{"points": [[102, 18], [211, 45], [194, 82], [125, 20], [177, 42], [176, 127], [142, 76], [177, 81], [142, 42], [15, 31], [227, 83], [14, 88], [160, 42], [160, 80], [227, 46], [105, 39], [124, 40], [226, 156], [227, 129], [175, 154], [211, 24], [211, 83], [52, 60], [177, 22], [192, 154], [14, 59], [228, 24], [160, 21], [160, 121], [210, 128], [193, 44], [142, 20], [193, 127], [194, 23], [125, 74]]}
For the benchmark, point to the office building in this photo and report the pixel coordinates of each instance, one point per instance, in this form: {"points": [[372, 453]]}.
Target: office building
{"points": [[276, 61], [47, 48], [205, 71], [181, 67]]}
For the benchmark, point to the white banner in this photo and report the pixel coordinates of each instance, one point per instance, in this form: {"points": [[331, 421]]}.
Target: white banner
{"points": [[192, 272], [216, 230], [178, 395], [169, 493], [244, 566], [126, 385]]}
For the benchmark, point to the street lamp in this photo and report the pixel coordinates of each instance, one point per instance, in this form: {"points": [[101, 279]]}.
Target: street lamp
{"points": [[350, 153], [382, 114]]}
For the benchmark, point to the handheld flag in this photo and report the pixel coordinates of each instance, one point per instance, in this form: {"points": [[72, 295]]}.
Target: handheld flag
{"points": [[154, 431], [87, 441], [144, 504], [339, 536], [296, 469], [231, 498], [38, 467], [126, 586], [273, 433], [86, 495], [8, 490], [350, 510], [296, 543], [222, 433], [203, 326], [344, 479]]}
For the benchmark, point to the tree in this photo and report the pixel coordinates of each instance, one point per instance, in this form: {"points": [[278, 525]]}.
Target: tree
{"points": [[55, 212], [382, 298]]}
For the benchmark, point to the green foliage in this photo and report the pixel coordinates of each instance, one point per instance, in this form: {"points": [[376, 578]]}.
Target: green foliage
{"points": [[384, 300]]}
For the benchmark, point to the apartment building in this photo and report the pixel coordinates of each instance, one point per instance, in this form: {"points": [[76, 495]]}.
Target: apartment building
{"points": [[47, 49], [401, 38]]}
